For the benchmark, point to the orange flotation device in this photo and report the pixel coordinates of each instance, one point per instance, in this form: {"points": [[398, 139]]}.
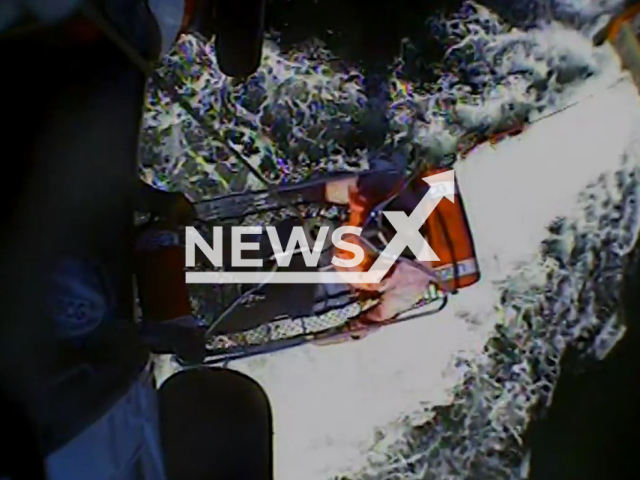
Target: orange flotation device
{"points": [[628, 16], [360, 207], [446, 230]]}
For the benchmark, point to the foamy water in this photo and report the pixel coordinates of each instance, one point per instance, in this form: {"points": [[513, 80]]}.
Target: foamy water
{"points": [[355, 407], [330, 401]]}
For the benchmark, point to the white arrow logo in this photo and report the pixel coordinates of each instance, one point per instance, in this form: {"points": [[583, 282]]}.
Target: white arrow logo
{"points": [[408, 227]]}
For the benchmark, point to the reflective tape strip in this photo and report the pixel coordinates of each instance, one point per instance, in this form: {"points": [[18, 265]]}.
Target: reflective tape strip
{"points": [[465, 267]]}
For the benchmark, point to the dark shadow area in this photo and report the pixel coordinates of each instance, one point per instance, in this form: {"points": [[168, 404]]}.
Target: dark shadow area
{"points": [[358, 31], [69, 144], [591, 429]]}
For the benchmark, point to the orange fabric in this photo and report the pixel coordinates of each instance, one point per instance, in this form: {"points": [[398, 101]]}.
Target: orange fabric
{"points": [[449, 235], [161, 284], [447, 231], [359, 209], [616, 25]]}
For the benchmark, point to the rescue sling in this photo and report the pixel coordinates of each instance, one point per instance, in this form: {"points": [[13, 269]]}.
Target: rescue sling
{"points": [[165, 296]]}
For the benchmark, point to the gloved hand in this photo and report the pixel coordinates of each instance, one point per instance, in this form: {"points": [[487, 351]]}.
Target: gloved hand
{"points": [[172, 207], [182, 337], [178, 209]]}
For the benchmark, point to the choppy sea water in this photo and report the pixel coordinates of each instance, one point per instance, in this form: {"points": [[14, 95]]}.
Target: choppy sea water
{"points": [[553, 212]]}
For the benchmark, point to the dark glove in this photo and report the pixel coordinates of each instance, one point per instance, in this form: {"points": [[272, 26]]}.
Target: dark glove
{"points": [[184, 340], [173, 207]]}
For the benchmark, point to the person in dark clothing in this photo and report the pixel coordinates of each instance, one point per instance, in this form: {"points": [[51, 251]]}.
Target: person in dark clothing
{"points": [[71, 356]]}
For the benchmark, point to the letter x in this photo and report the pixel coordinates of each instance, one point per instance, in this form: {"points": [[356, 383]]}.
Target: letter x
{"points": [[408, 234]]}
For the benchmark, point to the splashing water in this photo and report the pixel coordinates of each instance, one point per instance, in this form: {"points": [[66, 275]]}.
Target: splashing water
{"points": [[553, 212], [301, 112]]}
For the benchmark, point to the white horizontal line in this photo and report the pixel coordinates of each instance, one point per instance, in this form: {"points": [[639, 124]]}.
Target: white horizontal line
{"points": [[284, 277]]}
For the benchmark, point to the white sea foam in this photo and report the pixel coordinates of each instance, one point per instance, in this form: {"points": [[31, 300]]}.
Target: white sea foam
{"points": [[356, 407]]}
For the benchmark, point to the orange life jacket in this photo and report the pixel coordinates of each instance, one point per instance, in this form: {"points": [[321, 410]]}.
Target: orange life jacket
{"points": [[359, 209], [446, 230], [627, 16]]}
